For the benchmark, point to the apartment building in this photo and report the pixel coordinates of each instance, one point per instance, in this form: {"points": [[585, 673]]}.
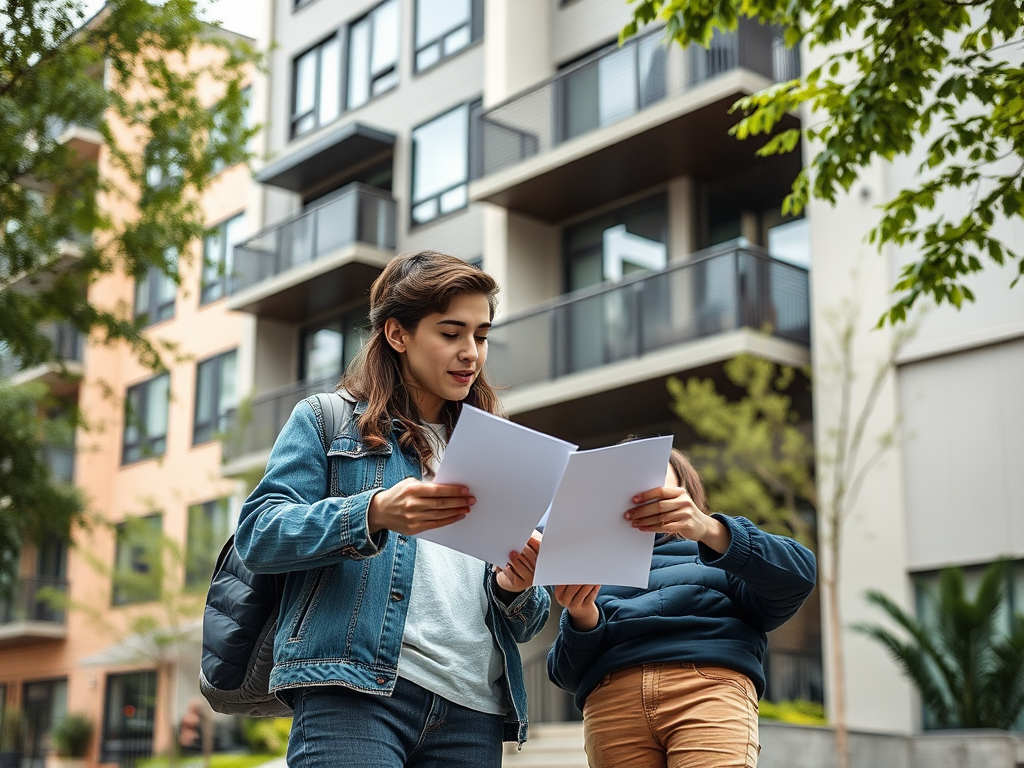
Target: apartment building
{"points": [[149, 462], [633, 239]]}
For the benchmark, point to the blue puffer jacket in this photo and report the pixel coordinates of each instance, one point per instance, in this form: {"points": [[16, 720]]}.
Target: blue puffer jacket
{"points": [[700, 607], [345, 597]]}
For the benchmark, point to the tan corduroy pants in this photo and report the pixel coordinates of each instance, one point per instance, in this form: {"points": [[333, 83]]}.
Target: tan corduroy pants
{"points": [[672, 715]]}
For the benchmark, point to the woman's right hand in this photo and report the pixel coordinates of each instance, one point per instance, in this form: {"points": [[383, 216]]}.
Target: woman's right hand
{"points": [[579, 600], [413, 506]]}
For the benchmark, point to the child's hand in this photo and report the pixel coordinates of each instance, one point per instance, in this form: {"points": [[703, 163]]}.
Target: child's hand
{"points": [[517, 574], [579, 600], [671, 510]]}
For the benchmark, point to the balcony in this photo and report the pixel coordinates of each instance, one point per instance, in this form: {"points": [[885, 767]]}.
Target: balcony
{"points": [[631, 118], [63, 376], [700, 311], [27, 618], [61, 461], [326, 257], [252, 430], [84, 138]]}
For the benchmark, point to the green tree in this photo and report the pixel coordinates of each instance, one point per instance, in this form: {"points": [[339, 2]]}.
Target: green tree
{"points": [[941, 73], [967, 662], [126, 73]]}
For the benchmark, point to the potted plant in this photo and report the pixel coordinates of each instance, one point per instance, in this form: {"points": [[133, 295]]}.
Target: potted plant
{"points": [[71, 737], [10, 738]]}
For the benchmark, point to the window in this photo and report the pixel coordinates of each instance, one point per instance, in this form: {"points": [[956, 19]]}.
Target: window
{"points": [[163, 162], [441, 152], [216, 396], [373, 54], [209, 526], [156, 291], [219, 258], [316, 87], [327, 348], [137, 564], [145, 419], [128, 714], [44, 703], [445, 27]]}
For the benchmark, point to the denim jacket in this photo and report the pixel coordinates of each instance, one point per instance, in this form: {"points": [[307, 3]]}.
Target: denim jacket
{"points": [[345, 600]]}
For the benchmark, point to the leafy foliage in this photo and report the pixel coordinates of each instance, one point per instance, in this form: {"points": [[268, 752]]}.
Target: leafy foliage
{"points": [[797, 712], [131, 76], [755, 455], [967, 666], [72, 734], [942, 74]]}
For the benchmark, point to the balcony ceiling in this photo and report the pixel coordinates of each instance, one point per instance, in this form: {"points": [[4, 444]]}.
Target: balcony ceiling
{"points": [[327, 157], [695, 143]]}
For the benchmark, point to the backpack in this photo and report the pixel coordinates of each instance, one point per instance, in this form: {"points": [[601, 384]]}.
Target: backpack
{"points": [[240, 618]]}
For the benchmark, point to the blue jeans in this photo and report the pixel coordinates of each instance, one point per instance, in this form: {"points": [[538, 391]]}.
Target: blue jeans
{"points": [[336, 727]]}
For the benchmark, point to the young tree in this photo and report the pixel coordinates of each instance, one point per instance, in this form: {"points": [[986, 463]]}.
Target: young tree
{"points": [[967, 661], [945, 75], [129, 74]]}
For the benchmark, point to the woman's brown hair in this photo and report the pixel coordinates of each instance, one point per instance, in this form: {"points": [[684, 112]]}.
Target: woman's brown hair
{"points": [[688, 478], [411, 287]]}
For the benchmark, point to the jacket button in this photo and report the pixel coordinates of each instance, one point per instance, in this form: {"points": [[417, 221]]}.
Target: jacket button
{"points": [[396, 596], [381, 680]]}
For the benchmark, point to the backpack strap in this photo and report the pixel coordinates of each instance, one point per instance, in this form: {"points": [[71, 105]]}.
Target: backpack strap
{"points": [[336, 409]]}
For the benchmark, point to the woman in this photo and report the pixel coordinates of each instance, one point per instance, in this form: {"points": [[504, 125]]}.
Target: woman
{"points": [[393, 651], [671, 675]]}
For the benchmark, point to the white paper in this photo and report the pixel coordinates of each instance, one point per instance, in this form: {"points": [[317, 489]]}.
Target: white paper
{"points": [[587, 540], [513, 472]]}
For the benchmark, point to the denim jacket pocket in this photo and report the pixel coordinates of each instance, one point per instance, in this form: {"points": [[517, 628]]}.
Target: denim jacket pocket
{"points": [[316, 580]]}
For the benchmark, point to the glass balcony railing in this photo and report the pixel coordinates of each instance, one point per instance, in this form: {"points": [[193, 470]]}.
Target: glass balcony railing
{"points": [[27, 603], [360, 214], [722, 289], [615, 84], [253, 429]]}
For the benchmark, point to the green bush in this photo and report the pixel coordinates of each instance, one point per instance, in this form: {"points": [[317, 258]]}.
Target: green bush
{"points": [[71, 735], [797, 712], [267, 736]]}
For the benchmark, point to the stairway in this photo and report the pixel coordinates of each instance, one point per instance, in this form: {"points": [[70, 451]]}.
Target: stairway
{"points": [[551, 745]]}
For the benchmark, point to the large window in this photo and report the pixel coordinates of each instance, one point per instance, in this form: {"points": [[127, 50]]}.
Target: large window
{"points": [[316, 86], [445, 27], [442, 155], [145, 419], [209, 526], [216, 395], [44, 703], [156, 291], [328, 347], [128, 715], [219, 258], [137, 564], [373, 54]]}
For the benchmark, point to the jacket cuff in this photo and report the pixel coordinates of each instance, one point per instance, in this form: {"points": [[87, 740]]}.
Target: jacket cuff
{"points": [[736, 556], [520, 600], [581, 641], [356, 541]]}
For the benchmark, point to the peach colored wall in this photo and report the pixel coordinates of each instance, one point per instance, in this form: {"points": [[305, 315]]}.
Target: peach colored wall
{"points": [[184, 475]]}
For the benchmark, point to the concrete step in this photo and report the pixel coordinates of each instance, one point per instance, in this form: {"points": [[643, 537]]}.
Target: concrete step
{"points": [[544, 760]]}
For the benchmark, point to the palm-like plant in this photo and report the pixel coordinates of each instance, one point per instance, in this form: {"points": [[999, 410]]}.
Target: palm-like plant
{"points": [[968, 669]]}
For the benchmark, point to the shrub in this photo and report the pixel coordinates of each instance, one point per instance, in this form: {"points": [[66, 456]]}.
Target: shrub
{"points": [[267, 736], [797, 712], [71, 735]]}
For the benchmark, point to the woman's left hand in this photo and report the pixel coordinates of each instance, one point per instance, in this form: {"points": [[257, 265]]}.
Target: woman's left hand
{"points": [[671, 510], [517, 574]]}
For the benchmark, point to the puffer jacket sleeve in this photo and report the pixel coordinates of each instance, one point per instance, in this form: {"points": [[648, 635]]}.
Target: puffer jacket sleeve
{"points": [[574, 652], [773, 575], [287, 523]]}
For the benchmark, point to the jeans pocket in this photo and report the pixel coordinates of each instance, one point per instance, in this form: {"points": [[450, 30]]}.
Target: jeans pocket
{"points": [[730, 677]]}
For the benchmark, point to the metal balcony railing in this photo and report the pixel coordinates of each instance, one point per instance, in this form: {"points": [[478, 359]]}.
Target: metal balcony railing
{"points": [[254, 428], [26, 603], [793, 675], [360, 214], [67, 345], [722, 289], [546, 702], [615, 84]]}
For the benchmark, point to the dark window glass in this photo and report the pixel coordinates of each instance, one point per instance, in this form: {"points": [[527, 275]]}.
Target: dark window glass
{"points": [[316, 86], [445, 27], [209, 526], [44, 703], [328, 347], [145, 419], [219, 258], [442, 154], [128, 714], [156, 291], [216, 396], [137, 565], [373, 54]]}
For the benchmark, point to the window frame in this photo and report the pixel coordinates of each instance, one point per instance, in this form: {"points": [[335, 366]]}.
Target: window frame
{"points": [[223, 282], [346, 68], [318, 47], [165, 310], [107, 753], [199, 565], [146, 442], [121, 539], [219, 420], [474, 109], [476, 34]]}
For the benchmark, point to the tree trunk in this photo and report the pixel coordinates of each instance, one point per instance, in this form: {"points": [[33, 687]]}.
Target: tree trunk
{"points": [[835, 624]]}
